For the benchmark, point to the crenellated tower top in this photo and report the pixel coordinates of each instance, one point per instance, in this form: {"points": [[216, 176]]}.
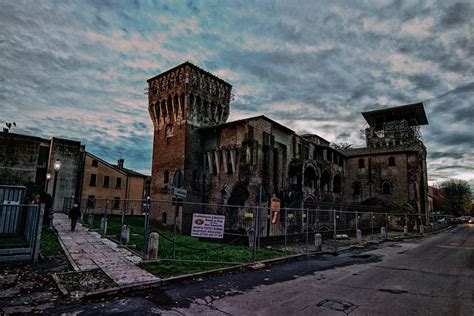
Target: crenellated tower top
{"points": [[188, 94]]}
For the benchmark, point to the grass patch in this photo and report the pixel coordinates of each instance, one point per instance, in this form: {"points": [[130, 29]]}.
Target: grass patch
{"points": [[170, 269], [187, 248], [49, 245]]}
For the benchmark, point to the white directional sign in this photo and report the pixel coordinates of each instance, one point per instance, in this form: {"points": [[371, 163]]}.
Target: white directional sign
{"points": [[177, 191]]}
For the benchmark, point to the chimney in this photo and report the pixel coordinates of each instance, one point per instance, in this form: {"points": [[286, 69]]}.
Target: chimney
{"points": [[120, 163]]}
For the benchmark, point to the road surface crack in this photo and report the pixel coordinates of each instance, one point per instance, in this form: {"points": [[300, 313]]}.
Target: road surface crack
{"points": [[208, 302]]}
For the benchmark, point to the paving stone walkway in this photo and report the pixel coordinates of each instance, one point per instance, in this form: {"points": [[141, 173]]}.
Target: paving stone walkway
{"points": [[87, 250]]}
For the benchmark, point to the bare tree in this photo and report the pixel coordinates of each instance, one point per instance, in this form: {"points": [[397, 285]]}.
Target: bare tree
{"points": [[341, 146], [457, 196]]}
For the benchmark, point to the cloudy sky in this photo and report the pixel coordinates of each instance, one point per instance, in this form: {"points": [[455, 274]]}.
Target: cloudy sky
{"points": [[78, 69]]}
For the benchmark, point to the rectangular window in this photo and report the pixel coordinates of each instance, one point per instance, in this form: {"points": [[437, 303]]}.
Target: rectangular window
{"points": [[106, 181], [116, 203], [250, 132], [118, 182], [95, 163], [91, 201], [166, 176], [93, 180]]}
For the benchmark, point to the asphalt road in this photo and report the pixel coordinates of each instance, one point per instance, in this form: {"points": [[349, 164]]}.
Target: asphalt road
{"points": [[430, 276]]}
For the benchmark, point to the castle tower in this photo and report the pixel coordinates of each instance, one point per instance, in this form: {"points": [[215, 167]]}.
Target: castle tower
{"points": [[180, 101], [395, 126]]}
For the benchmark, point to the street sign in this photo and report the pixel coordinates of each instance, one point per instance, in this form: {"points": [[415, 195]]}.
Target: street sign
{"points": [[275, 210], [177, 191], [178, 179]]}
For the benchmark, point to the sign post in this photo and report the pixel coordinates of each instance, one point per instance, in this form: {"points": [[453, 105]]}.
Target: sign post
{"points": [[177, 191]]}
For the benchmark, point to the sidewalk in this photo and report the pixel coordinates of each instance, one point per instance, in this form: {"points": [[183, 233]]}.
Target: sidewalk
{"points": [[87, 250]]}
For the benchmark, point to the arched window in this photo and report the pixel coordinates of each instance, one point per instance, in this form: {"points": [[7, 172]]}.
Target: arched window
{"points": [[310, 177], [166, 176], [336, 185], [164, 218], [361, 163], [386, 188], [325, 181], [391, 161]]}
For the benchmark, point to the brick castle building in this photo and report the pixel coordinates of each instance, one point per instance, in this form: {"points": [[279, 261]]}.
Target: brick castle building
{"points": [[230, 163]]}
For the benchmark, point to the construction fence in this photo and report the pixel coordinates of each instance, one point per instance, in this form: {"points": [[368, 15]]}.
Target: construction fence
{"points": [[199, 232], [20, 231]]}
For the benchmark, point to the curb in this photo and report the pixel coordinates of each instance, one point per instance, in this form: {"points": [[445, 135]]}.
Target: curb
{"points": [[192, 276], [66, 252]]}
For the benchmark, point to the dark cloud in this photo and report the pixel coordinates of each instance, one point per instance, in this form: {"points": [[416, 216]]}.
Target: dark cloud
{"points": [[424, 81], [457, 14]]}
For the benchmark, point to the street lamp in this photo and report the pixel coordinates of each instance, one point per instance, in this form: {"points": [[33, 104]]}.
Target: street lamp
{"points": [[56, 167], [48, 178]]}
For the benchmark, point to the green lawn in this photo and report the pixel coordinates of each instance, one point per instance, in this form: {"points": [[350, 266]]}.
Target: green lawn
{"points": [[187, 248], [49, 245]]}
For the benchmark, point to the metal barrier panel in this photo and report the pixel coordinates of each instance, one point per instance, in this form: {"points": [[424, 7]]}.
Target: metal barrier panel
{"points": [[171, 230], [10, 219], [11, 194], [18, 231]]}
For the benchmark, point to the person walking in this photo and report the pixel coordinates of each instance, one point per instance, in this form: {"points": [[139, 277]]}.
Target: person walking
{"points": [[74, 214]]}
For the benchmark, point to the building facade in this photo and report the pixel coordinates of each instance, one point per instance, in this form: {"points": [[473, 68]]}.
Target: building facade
{"points": [[25, 160], [248, 161], [113, 187], [391, 169]]}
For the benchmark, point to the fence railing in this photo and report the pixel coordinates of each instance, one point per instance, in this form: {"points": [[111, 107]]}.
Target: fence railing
{"points": [[249, 233], [20, 231]]}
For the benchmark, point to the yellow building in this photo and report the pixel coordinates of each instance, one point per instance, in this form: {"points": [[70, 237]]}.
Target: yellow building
{"points": [[111, 187]]}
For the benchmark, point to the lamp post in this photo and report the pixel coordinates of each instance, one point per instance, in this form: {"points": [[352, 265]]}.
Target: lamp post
{"points": [[48, 178], [56, 166]]}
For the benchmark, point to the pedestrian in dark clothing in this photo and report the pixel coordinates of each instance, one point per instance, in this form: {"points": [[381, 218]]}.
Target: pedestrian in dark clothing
{"points": [[74, 214]]}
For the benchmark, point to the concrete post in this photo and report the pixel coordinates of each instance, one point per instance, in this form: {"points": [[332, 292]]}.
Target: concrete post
{"points": [[383, 233], [422, 229], [90, 220], [405, 230], [251, 237], [125, 235], [359, 236], [318, 241], [153, 243], [103, 225]]}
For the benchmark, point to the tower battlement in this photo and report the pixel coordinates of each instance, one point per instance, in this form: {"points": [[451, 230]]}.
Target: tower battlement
{"points": [[187, 93]]}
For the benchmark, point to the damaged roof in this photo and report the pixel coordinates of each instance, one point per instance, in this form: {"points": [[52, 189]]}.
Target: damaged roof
{"points": [[414, 114]]}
